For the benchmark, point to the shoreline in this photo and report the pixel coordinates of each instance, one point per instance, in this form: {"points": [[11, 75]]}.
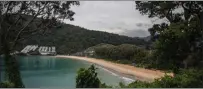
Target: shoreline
{"points": [[140, 74], [116, 73]]}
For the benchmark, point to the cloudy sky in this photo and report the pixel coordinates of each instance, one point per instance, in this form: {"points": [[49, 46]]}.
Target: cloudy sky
{"points": [[118, 17]]}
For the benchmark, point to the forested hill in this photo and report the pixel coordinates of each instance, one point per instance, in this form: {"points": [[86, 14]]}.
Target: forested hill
{"points": [[70, 39]]}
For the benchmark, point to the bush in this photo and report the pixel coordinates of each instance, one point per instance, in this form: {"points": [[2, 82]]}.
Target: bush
{"points": [[6, 85], [122, 85], [103, 85], [87, 78]]}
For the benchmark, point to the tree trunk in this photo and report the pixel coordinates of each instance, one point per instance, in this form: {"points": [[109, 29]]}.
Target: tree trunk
{"points": [[11, 65]]}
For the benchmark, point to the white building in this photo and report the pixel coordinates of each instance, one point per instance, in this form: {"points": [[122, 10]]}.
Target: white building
{"points": [[43, 50], [47, 50]]}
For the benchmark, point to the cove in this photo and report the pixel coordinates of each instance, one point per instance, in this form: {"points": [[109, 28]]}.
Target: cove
{"points": [[52, 72]]}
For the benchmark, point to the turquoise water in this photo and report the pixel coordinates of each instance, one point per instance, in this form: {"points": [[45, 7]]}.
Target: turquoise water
{"points": [[45, 72]]}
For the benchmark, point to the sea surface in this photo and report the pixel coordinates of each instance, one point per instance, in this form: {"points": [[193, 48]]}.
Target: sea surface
{"points": [[52, 72]]}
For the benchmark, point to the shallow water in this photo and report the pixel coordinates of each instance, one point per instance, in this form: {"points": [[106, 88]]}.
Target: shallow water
{"points": [[45, 72]]}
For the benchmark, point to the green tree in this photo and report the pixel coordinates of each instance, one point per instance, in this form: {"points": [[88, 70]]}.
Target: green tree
{"points": [[141, 58], [124, 53], [87, 78], [21, 19], [166, 9], [127, 51], [177, 42]]}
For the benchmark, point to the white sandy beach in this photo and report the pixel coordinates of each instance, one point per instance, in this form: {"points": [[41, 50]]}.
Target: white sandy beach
{"points": [[139, 73]]}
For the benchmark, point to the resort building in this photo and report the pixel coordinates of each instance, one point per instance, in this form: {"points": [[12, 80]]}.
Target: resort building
{"points": [[42, 50], [29, 48]]}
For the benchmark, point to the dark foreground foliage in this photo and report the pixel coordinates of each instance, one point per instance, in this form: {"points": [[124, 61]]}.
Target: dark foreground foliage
{"points": [[87, 78], [6, 85]]}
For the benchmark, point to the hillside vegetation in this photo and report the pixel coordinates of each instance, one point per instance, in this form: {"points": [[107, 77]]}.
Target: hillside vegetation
{"points": [[123, 53], [70, 39]]}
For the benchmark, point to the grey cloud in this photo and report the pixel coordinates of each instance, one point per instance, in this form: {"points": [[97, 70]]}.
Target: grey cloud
{"points": [[135, 33], [111, 16], [139, 24], [143, 25]]}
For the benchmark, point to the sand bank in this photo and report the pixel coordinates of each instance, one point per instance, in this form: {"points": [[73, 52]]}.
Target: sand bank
{"points": [[138, 73]]}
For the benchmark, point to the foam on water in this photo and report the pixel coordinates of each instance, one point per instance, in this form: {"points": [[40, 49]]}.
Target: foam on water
{"points": [[128, 80], [108, 71], [125, 79]]}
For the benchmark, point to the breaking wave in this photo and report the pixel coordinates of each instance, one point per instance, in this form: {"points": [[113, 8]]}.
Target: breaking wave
{"points": [[108, 71], [125, 79], [128, 80]]}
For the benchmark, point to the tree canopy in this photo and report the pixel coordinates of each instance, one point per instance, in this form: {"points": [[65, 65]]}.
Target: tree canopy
{"points": [[177, 43], [87, 78], [21, 19]]}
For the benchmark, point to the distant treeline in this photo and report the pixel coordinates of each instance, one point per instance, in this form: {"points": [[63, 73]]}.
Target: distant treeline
{"points": [[124, 53]]}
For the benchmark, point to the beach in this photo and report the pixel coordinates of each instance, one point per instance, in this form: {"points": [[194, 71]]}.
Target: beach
{"points": [[138, 73]]}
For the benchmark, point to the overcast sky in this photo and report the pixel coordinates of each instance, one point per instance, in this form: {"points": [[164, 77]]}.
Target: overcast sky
{"points": [[118, 17]]}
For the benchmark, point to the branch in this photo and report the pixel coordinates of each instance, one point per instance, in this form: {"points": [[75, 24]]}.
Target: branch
{"points": [[12, 26], [27, 36], [192, 10], [9, 4], [19, 33], [184, 7], [169, 15], [16, 22], [3, 16], [36, 30]]}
